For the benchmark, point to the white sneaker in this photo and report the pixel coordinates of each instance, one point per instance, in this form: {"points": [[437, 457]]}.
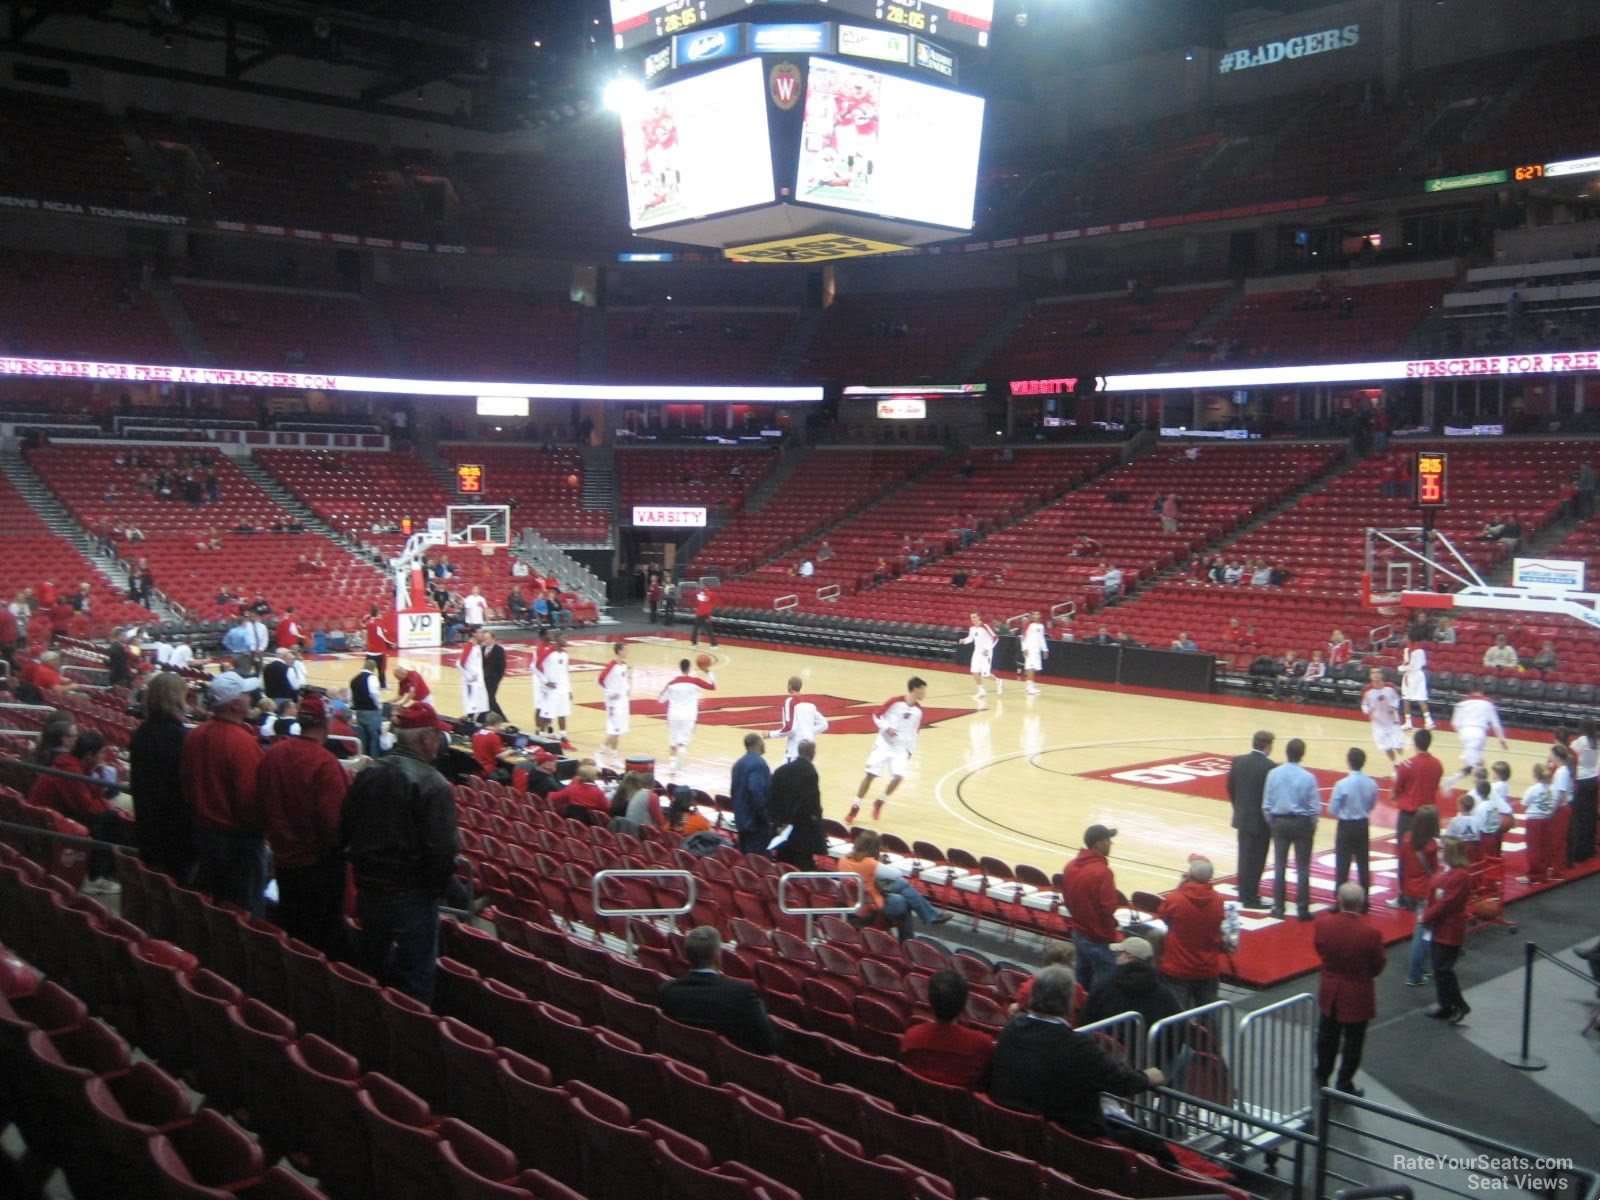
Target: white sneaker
{"points": [[979, 694], [1431, 724], [999, 686], [1033, 691], [103, 887]]}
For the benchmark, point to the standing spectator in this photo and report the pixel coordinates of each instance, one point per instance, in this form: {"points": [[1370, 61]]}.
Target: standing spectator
{"points": [[1539, 813], [1351, 805], [1586, 791], [796, 799], [654, 595], [1191, 961], [1416, 782], [1090, 890], [1041, 1065], [1494, 814], [1169, 513], [1247, 781], [1561, 789], [708, 999], [410, 686], [1352, 954], [1291, 802], [302, 790], [163, 829], [940, 1049], [1419, 863], [221, 758], [749, 788], [1446, 919], [705, 603], [379, 644], [398, 830], [494, 667], [368, 707]]}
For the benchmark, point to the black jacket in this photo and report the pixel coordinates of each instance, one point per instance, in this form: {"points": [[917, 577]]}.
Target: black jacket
{"points": [[117, 663], [1131, 987], [275, 680], [796, 799], [162, 826], [1047, 1068], [398, 826], [494, 666], [1247, 783], [730, 1007]]}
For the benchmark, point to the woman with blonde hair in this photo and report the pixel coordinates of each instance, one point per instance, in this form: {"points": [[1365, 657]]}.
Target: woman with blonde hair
{"points": [[162, 828]]}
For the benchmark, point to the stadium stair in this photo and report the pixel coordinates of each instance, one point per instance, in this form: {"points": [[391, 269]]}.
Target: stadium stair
{"points": [[599, 490], [289, 502], [796, 343], [38, 496], [990, 340], [790, 462], [184, 327], [383, 332]]}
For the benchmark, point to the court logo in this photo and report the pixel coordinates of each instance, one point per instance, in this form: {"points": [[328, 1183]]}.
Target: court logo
{"points": [[1203, 775], [783, 82]]}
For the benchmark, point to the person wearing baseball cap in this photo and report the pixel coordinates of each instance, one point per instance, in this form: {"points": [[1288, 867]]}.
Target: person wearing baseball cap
{"points": [[221, 759], [1133, 985], [1090, 891], [542, 779], [302, 790], [398, 831]]}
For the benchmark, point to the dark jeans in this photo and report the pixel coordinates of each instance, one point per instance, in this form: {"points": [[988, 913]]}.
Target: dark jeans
{"points": [[1403, 821], [108, 826], [1095, 960], [232, 868], [311, 906], [1296, 832], [1445, 984], [399, 940], [382, 668], [1252, 860], [755, 841], [1192, 993], [1350, 844], [1341, 1041], [369, 724], [708, 625], [1580, 833]]}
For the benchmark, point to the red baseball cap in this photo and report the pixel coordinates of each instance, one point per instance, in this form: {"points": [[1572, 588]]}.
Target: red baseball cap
{"points": [[419, 716]]}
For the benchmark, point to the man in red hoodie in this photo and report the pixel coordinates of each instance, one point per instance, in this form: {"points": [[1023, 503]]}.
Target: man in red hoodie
{"points": [[221, 758], [1192, 961], [1091, 895]]}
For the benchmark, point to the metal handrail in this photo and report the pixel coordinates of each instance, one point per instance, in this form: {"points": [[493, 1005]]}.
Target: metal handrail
{"points": [[609, 873], [1132, 1038], [819, 911], [785, 603], [829, 592]]}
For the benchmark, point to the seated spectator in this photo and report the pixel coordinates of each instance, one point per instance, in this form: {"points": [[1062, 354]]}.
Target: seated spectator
{"points": [[1126, 640], [517, 605], [1084, 547], [1546, 660], [1233, 635], [1233, 573], [806, 569], [1494, 529], [1102, 637], [1261, 575], [1291, 670], [683, 817], [708, 999], [1340, 648], [1502, 656], [1444, 632], [1056, 954], [884, 890], [1184, 642], [1316, 673], [583, 797], [1263, 673], [824, 551], [1110, 580], [1134, 986], [491, 751], [87, 804], [940, 1049]]}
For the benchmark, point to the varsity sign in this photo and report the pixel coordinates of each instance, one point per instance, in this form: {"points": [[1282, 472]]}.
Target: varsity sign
{"points": [[1291, 48], [646, 516]]}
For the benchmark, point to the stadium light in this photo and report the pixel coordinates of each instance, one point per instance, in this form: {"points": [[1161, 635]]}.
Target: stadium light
{"points": [[622, 93]]}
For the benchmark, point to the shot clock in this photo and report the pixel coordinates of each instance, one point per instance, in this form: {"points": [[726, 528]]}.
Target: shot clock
{"points": [[1433, 478], [469, 479]]}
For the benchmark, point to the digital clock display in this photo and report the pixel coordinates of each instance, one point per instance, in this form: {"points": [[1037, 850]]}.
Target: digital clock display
{"points": [[968, 21], [469, 479], [1433, 479], [1530, 171]]}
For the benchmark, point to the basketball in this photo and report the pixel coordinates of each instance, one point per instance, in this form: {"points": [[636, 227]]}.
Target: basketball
{"points": [[703, 661]]}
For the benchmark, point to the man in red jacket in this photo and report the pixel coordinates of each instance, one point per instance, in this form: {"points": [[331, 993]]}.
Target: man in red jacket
{"points": [[1446, 918], [288, 636], [1416, 782], [1192, 961], [221, 758], [705, 601], [1091, 895], [302, 789], [1352, 954]]}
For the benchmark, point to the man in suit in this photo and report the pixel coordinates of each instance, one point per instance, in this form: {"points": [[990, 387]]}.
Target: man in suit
{"points": [[752, 782], [1352, 954], [494, 667], [709, 999], [1247, 783], [796, 799]]}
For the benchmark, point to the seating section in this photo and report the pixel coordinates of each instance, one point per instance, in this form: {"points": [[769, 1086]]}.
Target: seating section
{"points": [[544, 488], [248, 327], [1551, 120], [476, 333], [821, 491], [1303, 326], [1030, 564], [353, 492], [696, 345], [520, 200], [719, 480], [1101, 334], [31, 554], [55, 148], [1319, 542], [61, 306], [977, 491], [900, 337], [104, 496]]}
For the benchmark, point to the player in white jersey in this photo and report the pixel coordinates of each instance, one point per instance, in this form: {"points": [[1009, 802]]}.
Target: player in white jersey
{"points": [[682, 698], [555, 688], [1414, 681], [1381, 703], [1474, 718], [614, 683], [898, 722], [982, 638], [1035, 649], [802, 721]]}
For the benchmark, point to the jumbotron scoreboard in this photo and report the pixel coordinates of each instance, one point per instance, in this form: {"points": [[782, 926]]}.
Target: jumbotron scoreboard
{"points": [[780, 139]]}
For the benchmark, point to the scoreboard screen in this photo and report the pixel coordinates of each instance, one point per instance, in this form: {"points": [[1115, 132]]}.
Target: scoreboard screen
{"points": [[968, 21], [698, 146], [635, 22], [880, 144]]}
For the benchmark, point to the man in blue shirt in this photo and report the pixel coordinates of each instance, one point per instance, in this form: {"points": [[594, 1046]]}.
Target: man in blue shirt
{"points": [[752, 780], [1291, 802], [1351, 805]]}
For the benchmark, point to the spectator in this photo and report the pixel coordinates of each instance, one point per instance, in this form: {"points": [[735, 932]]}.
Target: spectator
{"points": [[584, 799], [1191, 962], [1110, 581], [1090, 890], [1502, 656], [1546, 660], [221, 758], [1184, 642], [1340, 648], [751, 783], [1446, 918], [398, 831], [1316, 673], [163, 829], [1169, 513], [1133, 985], [1352, 954], [796, 799], [85, 803], [1290, 676], [942, 1050], [884, 890], [1041, 1065], [708, 999]]}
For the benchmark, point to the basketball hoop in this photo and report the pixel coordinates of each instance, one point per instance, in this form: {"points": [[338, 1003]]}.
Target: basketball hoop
{"points": [[487, 549]]}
